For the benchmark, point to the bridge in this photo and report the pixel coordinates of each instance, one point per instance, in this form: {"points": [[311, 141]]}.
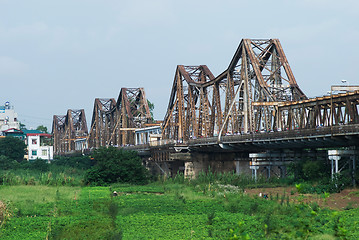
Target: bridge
{"points": [[252, 117]]}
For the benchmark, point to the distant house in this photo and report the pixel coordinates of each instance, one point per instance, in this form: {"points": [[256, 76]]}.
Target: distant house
{"points": [[13, 132], [39, 145]]}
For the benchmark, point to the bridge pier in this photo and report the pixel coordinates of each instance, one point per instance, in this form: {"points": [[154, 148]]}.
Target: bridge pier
{"points": [[269, 162], [348, 156], [196, 162]]}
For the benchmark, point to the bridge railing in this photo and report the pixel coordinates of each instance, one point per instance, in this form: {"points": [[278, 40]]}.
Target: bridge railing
{"points": [[162, 142], [290, 134]]}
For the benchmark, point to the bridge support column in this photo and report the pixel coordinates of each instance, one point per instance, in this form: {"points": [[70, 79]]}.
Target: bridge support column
{"points": [[270, 163], [254, 172], [268, 168], [336, 155], [353, 159], [283, 171], [237, 168]]}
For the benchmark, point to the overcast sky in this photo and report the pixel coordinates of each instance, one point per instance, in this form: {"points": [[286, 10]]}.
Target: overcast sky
{"points": [[59, 55]]}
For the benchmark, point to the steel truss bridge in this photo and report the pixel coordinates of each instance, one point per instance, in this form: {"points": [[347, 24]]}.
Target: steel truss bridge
{"points": [[113, 123], [253, 106]]}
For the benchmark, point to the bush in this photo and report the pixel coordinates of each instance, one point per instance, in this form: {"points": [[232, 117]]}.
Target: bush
{"points": [[80, 162], [12, 148], [39, 164], [309, 170], [116, 165]]}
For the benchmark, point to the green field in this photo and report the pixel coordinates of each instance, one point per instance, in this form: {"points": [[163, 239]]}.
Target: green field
{"points": [[165, 211]]}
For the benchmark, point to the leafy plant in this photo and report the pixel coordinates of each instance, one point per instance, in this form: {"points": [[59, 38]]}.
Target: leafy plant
{"points": [[13, 148], [116, 165]]}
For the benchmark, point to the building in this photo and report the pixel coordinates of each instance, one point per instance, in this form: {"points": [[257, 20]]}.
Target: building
{"points": [[39, 145], [13, 132], [8, 118]]}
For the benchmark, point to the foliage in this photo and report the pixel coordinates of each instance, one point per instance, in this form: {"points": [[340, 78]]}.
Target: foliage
{"points": [[309, 170], [13, 148], [39, 164], [116, 165], [79, 162], [62, 171], [151, 107], [7, 163], [42, 128], [40, 212], [22, 126], [70, 177]]}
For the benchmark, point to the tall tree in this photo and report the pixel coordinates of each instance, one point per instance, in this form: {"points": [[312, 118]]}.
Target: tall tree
{"points": [[42, 128]]}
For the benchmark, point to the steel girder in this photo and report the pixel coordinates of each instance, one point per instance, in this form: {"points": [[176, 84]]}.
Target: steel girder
{"points": [[67, 128], [102, 122], [131, 112], [338, 109], [193, 111], [58, 130], [244, 97]]}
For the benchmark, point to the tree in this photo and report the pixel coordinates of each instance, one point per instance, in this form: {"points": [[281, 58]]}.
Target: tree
{"points": [[42, 128], [151, 107], [22, 126], [116, 165], [12, 148]]}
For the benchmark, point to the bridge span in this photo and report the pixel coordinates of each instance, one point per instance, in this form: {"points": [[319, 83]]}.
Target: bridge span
{"points": [[252, 117]]}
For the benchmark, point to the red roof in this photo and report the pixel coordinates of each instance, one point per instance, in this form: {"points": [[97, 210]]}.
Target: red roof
{"points": [[39, 134], [13, 129]]}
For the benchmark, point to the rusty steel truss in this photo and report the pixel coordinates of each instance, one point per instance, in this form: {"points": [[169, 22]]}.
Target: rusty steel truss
{"points": [[327, 111], [242, 99], [68, 128], [102, 122], [114, 123]]}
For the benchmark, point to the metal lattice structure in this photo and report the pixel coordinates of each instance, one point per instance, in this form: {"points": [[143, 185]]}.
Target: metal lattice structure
{"points": [[114, 123], [67, 128], [334, 110], [58, 130], [193, 110], [102, 122], [131, 112], [243, 99]]}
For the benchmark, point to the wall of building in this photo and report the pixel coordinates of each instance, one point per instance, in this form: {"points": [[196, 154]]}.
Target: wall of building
{"points": [[35, 150], [8, 118]]}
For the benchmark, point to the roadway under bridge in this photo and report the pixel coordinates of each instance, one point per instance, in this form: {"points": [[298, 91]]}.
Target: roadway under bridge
{"points": [[252, 118]]}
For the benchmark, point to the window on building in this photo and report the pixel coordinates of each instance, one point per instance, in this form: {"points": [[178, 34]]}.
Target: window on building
{"points": [[34, 152], [44, 152], [34, 141]]}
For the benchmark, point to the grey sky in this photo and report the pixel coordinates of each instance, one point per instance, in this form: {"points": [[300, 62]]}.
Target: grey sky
{"points": [[57, 55]]}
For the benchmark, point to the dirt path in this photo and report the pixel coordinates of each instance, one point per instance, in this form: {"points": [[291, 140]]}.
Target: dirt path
{"points": [[348, 198]]}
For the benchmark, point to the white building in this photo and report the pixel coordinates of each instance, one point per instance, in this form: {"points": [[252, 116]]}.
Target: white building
{"points": [[8, 118], [37, 148]]}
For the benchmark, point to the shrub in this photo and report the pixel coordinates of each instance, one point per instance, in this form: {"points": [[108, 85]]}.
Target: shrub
{"points": [[116, 165], [7, 163], [12, 148], [80, 162], [39, 164]]}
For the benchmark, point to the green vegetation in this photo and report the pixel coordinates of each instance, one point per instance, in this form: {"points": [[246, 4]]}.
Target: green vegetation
{"points": [[116, 165], [42, 128], [165, 211], [12, 148], [72, 198]]}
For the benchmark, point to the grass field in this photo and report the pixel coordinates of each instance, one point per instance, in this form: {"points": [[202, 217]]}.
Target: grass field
{"points": [[165, 211]]}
